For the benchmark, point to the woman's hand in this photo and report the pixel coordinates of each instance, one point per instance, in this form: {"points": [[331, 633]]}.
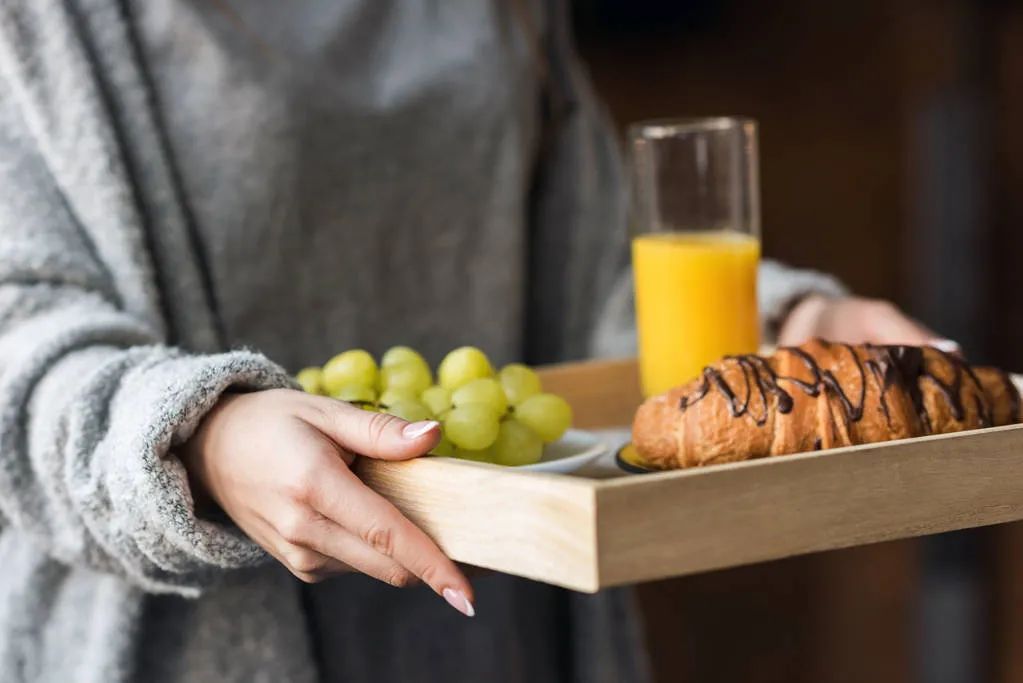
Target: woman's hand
{"points": [[855, 320], [277, 462]]}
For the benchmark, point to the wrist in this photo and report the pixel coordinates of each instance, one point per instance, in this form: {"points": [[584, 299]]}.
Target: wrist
{"points": [[195, 455]]}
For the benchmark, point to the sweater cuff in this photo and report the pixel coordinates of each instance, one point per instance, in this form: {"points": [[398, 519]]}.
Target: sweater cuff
{"points": [[162, 404]]}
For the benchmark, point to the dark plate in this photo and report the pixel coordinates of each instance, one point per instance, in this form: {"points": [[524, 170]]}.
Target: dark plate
{"points": [[630, 461]]}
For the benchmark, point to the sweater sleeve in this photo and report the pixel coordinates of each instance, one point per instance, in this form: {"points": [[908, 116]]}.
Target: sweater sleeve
{"points": [[93, 401]]}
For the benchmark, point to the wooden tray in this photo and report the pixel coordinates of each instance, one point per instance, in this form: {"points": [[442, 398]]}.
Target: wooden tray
{"points": [[588, 533]]}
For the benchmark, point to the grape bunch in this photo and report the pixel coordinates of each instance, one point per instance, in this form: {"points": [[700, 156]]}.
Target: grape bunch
{"points": [[499, 417]]}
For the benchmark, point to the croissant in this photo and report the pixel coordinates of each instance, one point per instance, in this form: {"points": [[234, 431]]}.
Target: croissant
{"points": [[816, 396]]}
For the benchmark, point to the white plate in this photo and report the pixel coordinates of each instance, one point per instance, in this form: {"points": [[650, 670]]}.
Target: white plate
{"points": [[570, 453], [575, 449]]}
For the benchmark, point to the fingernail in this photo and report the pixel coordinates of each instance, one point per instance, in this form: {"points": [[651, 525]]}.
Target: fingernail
{"points": [[415, 430], [458, 600], [946, 345]]}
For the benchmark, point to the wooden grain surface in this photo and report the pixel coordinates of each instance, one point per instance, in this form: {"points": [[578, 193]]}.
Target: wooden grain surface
{"points": [[539, 526], [690, 521], [586, 533]]}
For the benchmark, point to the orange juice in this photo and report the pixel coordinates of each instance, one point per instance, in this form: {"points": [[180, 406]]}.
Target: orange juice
{"points": [[696, 300]]}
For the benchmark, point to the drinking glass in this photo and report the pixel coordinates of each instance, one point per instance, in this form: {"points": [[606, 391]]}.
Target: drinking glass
{"points": [[695, 228]]}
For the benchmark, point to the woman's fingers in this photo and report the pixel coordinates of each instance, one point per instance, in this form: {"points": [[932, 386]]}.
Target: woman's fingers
{"points": [[372, 434], [305, 563], [885, 323], [343, 498], [329, 488], [334, 541], [309, 565], [314, 548], [857, 320], [276, 461]]}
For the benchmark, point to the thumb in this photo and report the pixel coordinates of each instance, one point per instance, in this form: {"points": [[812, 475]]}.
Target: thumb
{"points": [[373, 434]]}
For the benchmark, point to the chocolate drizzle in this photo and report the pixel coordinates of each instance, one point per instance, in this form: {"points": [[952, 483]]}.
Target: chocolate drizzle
{"points": [[913, 366], [885, 376], [757, 377], [887, 366], [908, 366], [986, 412]]}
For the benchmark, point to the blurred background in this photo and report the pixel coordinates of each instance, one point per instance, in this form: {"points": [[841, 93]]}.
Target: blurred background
{"points": [[891, 156]]}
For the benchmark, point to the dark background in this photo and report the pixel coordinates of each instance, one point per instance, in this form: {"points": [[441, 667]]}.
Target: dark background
{"points": [[891, 156]]}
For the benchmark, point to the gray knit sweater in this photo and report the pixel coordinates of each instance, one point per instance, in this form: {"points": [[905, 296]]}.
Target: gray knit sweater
{"points": [[178, 180]]}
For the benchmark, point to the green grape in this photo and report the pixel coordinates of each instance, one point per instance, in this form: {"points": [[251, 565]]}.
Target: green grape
{"points": [[461, 366], [471, 426], [399, 355], [311, 380], [356, 393], [410, 410], [483, 390], [546, 414], [519, 382], [351, 367], [437, 398], [516, 444], [478, 455], [444, 448], [392, 396], [411, 378]]}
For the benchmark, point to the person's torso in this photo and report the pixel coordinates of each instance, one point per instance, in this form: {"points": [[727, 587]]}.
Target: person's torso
{"points": [[357, 172]]}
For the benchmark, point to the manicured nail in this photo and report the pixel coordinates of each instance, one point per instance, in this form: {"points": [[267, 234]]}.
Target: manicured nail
{"points": [[458, 600], [417, 429], [946, 345]]}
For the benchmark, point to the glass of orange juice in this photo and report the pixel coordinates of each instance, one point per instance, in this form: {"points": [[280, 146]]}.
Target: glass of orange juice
{"points": [[695, 226]]}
